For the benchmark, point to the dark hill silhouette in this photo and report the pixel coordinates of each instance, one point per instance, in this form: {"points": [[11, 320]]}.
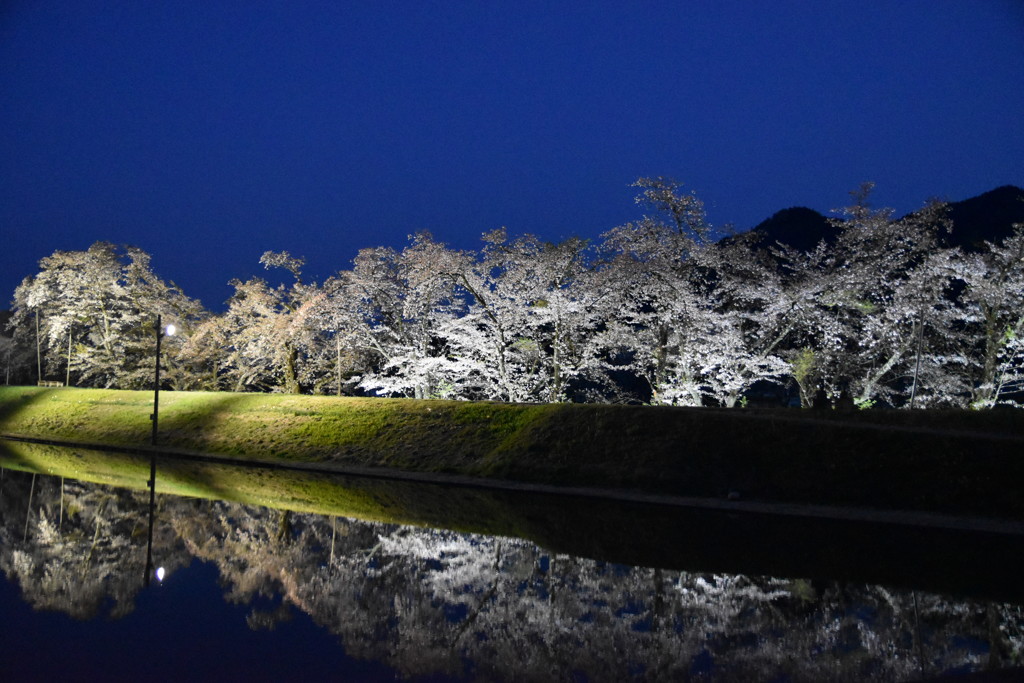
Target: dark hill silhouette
{"points": [[798, 227], [989, 216]]}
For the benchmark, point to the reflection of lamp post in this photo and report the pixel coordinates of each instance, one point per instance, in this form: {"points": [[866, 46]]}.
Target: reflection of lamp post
{"points": [[152, 511], [160, 332]]}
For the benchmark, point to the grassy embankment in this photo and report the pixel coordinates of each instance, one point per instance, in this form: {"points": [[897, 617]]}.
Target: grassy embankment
{"points": [[958, 462]]}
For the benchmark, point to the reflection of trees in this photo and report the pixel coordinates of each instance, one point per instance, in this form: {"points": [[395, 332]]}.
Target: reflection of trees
{"points": [[430, 601], [440, 602], [260, 552], [79, 548]]}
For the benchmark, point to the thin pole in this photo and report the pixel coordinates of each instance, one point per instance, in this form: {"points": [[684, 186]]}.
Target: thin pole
{"points": [[156, 382], [330, 566], [28, 511], [152, 509], [67, 377], [39, 353]]}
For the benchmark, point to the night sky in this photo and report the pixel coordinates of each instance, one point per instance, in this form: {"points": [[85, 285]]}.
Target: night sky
{"points": [[209, 132]]}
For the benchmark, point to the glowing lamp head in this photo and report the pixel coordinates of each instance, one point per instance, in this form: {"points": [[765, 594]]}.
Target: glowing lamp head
{"points": [[160, 573], [170, 330]]}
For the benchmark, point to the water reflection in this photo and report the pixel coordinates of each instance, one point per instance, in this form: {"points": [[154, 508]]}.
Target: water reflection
{"points": [[435, 602]]}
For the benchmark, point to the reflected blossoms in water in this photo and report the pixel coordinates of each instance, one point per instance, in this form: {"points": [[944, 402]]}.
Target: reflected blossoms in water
{"points": [[465, 606]]}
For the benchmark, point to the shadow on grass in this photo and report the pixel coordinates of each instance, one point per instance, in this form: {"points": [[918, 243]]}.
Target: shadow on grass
{"points": [[187, 418], [17, 400]]}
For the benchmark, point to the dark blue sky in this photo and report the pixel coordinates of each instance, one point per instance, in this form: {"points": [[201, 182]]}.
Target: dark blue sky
{"points": [[208, 132]]}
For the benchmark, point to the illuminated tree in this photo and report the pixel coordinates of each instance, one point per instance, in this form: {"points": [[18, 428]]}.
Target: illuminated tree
{"points": [[994, 303], [405, 299], [528, 334], [95, 312], [864, 306], [268, 329], [696, 320]]}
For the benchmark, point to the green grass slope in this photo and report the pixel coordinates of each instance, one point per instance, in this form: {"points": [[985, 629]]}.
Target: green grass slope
{"points": [[952, 462]]}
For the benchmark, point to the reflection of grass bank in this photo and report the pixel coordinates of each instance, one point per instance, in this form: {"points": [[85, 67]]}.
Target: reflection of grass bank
{"points": [[671, 537], [280, 488], [277, 488], [955, 462]]}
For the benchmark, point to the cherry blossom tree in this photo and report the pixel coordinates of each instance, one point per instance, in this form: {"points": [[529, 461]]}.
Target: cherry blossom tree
{"points": [[528, 332], [93, 313], [268, 329], [695, 319], [994, 300], [405, 299], [663, 308], [863, 306], [341, 357]]}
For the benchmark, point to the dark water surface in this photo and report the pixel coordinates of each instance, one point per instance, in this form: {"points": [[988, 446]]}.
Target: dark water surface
{"points": [[257, 593]]}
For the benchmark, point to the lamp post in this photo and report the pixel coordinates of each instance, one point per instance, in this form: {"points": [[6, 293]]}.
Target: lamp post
{"points": [[161, 331]]}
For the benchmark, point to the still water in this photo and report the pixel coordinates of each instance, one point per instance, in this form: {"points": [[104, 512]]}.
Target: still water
{"points": [[258, 593]]}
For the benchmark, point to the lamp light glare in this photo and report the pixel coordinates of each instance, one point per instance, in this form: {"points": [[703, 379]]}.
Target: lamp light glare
{"points": [[170, 330], [160, 574]]}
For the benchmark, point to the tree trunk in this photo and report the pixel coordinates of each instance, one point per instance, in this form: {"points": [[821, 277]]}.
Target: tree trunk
{"points": [[556, 370], [984, 392], [291, 382], [337, 340]]}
